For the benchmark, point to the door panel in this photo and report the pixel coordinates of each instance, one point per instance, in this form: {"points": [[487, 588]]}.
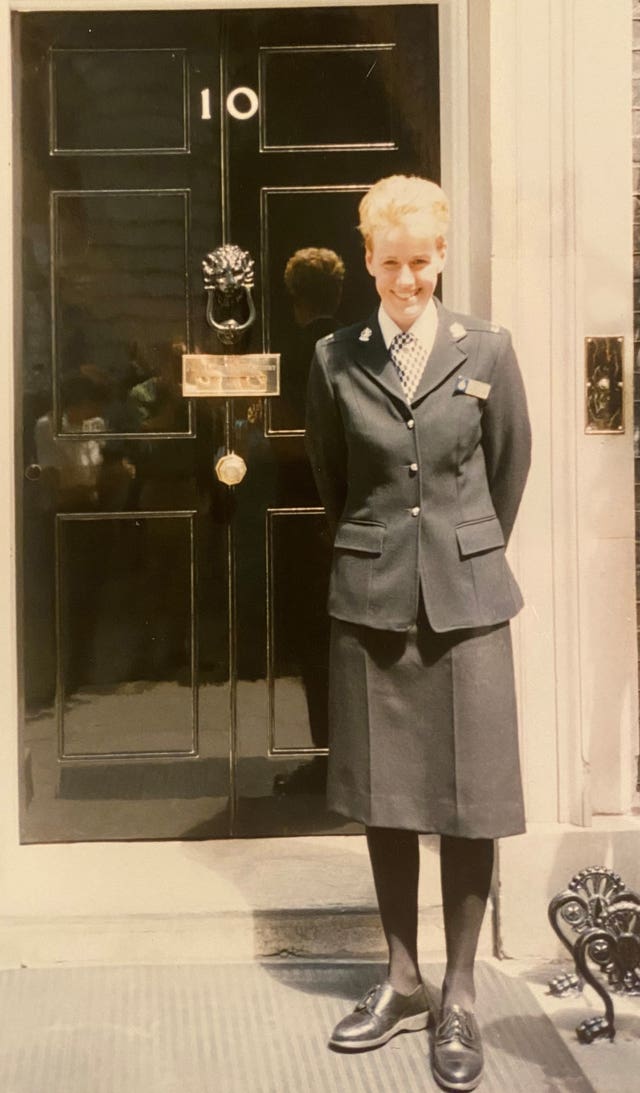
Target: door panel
{"points": [[290, 220], [175, 636], [357, 77], [120, 287], [119, 101], [109, 570]]}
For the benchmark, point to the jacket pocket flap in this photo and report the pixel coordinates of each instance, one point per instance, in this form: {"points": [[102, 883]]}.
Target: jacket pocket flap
{"points": [[478, 535], [367, 538]]}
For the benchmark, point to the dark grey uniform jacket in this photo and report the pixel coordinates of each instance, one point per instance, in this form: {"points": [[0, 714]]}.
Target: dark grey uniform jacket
{"points": [[421, 497]]}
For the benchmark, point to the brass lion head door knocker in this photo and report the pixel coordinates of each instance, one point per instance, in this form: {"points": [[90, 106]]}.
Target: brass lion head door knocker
{"points": [[228, 281], [228, 274]]}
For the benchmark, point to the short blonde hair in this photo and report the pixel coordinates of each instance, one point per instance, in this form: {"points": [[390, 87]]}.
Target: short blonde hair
{"points": [[392, 200]]}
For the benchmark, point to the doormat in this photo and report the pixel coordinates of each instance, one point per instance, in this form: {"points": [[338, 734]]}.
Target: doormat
{"points": [[259, 1027]]}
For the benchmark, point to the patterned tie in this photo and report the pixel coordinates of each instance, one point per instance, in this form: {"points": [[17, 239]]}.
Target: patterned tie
{"points": [[408, 356]]}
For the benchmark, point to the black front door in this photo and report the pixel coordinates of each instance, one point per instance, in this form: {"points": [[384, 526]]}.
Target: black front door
{"points": [[174, 637]]}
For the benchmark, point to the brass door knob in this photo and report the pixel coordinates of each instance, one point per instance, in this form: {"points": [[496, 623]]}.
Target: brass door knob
{"points": [[231, 469]]}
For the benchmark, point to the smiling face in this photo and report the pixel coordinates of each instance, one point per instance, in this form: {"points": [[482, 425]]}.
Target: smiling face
{"points": [[405, 261]]}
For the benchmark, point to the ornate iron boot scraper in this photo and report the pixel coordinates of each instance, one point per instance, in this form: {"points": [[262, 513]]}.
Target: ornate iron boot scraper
{"points": [[603, 915]]}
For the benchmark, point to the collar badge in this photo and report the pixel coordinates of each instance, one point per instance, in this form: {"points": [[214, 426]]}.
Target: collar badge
{"points": [[365, 334], [457, 331]]}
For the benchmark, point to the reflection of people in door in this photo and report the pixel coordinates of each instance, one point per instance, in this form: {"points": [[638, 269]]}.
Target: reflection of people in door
{"points": [[157, 402], [68, 480], [71, 466], [165, 472], [81, 472], [313, 278]]}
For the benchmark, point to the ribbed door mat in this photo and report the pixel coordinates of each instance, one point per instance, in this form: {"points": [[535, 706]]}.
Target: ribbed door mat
{"points": [[247, 1028]]}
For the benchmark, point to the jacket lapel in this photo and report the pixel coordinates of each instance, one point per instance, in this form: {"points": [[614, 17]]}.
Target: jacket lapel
{"points": [[448, 353], [372, 355]]}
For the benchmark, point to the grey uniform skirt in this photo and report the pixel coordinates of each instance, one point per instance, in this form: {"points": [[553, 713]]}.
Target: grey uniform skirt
{"points": [[423, 730]]}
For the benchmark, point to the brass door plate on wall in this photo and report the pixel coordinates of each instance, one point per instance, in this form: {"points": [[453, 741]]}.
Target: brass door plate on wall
{"points": [[230, 375], [604, 385]]}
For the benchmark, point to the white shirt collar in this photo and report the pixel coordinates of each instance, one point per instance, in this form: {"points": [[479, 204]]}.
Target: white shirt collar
{"points": [[424, 328]]}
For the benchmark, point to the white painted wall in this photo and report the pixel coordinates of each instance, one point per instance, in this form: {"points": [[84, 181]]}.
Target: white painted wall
{"points": [[562, 270]]}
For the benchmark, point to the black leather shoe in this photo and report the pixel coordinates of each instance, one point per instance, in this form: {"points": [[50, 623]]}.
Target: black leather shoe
{"points": [[457, 1058], [379, 1016]]}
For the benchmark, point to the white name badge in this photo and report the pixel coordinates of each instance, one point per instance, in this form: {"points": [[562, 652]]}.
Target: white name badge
{"points": [[476, 388]]}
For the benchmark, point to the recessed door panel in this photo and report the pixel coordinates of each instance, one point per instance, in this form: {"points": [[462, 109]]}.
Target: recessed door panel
{"points": [[126, 652], [121, 303], [360, 77], [119, 101], [174, 647], [298, 551], [295, 219]]}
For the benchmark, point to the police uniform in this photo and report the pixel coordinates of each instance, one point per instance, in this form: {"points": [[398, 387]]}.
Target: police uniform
{"points": [[422, 495]]}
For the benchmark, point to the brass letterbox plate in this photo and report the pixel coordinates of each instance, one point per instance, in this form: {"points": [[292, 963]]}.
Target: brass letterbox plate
{"points": [[604, 389], [230, 375]]}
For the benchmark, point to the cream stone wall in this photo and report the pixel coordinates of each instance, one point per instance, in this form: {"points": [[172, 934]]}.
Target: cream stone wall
{"points": [[561, 271], [536, 111]]}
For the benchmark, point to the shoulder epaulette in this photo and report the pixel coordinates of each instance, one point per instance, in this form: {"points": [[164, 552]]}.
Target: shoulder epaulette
{"points": [[471, 322]]}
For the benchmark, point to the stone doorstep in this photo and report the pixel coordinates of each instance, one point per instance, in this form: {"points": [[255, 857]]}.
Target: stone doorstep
{"points": [[226, 937], [209, 902], [249, 899]]}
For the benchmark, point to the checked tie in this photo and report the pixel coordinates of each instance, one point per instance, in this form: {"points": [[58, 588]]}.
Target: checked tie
{"points": [[408, 356]]}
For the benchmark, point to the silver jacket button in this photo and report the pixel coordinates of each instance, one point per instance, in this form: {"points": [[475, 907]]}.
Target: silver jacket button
{"points": [[413, 467], [410, 423], [415, 511]]}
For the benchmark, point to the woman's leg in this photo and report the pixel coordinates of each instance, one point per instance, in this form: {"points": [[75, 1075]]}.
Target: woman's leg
{"points": [[395, 863], [466, 866], [401, 1004]]}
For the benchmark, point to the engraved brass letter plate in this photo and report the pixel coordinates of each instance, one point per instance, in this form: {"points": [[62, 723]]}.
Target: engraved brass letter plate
{"points": [[603, 359], [230, 375]]}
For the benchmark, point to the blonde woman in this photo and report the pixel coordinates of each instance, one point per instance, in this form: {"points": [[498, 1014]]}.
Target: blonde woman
{"points": [[419, 439]]}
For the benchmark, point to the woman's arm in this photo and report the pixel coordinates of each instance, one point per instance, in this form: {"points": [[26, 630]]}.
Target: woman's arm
{"points": [[506, 436], [325, 441]]}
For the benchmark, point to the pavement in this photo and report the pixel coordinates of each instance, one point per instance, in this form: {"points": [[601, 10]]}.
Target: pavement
{"points": [[262, 1026]]}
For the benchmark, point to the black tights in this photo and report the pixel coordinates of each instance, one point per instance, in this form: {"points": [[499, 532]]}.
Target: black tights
{"points": [[466, 866]]}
